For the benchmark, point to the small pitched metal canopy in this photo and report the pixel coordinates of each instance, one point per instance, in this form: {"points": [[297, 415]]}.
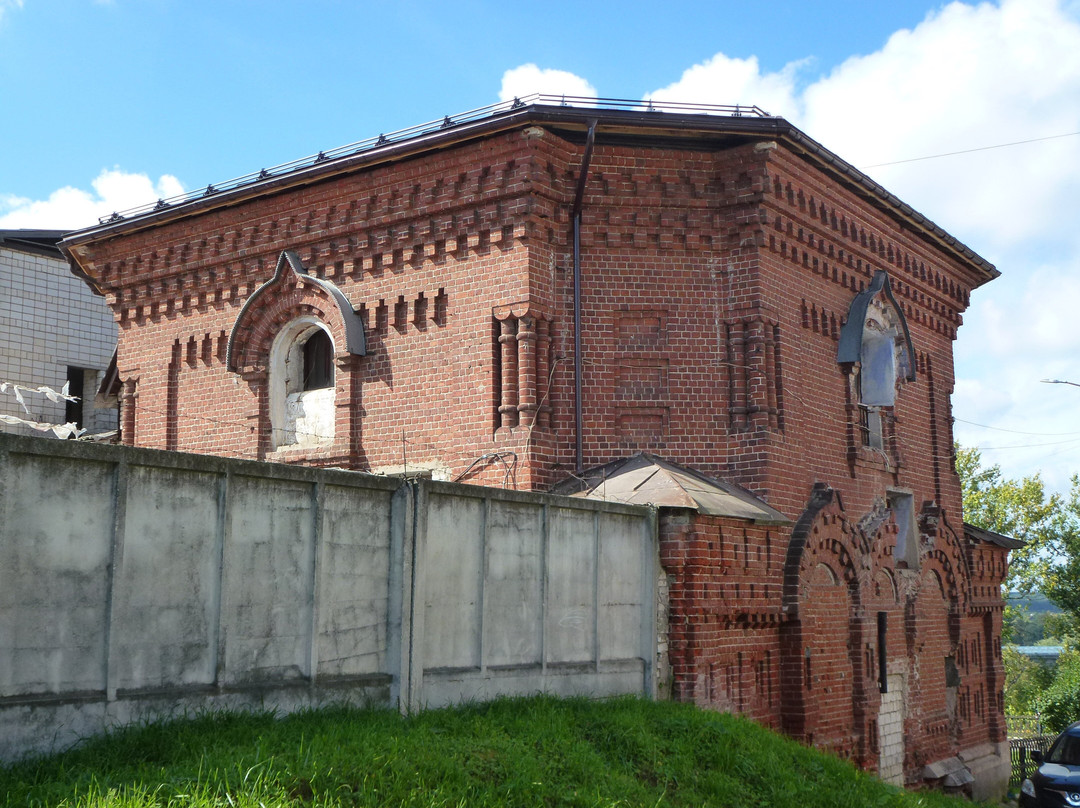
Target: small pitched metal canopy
{"points": [[980, 534], [355, 341], [645, 479], [851, 335]]}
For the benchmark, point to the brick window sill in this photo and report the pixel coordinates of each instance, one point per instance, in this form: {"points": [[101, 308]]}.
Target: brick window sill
{"points": [[297, 453]]}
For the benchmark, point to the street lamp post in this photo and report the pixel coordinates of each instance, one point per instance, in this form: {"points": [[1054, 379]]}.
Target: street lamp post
{"points": [[1058, 381]]}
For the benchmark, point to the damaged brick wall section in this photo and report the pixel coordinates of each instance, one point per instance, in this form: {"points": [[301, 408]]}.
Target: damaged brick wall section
{"points": [[809, 661]]}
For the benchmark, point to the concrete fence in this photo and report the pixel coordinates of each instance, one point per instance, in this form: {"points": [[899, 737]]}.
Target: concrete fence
{"points": [[135, 583]]}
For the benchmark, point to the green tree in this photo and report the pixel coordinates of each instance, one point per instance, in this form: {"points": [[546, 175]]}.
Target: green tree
{"points": [[1048, 563], [1026, 680], [1023, 509], [1026, 627], [1059, 703]]}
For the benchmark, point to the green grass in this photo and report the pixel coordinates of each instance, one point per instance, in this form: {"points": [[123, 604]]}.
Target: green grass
{"points": [[520, 752]]}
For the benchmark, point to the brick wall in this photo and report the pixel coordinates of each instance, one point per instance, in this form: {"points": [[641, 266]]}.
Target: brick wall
{"points": [[809, 662]]}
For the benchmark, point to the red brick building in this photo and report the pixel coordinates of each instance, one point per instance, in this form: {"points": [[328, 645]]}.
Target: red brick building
{"points": [[749, 306]]}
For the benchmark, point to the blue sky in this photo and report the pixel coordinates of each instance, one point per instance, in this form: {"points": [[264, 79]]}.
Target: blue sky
{"points": [[207, 91], [111, 103]]}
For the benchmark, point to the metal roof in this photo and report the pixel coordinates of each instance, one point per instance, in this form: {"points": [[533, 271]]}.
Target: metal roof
{"points": [[980, 534], [645, 479], [41, 242], [711, 126]]}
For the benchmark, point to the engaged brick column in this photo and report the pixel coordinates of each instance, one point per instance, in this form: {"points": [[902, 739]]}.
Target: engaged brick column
{"points": [[543, 370], [526, 343], [130, 398], [172, 399], [508, 410]]}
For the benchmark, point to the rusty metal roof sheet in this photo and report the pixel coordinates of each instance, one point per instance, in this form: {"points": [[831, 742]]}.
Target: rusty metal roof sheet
{"points": [[645, 479]]}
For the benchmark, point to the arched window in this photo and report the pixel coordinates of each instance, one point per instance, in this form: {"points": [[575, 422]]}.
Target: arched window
{"points": [[880, 359], [876, 347], [318, 358], [302, 391]]}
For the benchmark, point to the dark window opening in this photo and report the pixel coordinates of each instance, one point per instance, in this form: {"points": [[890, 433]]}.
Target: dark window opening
{"points": [[318, 361], [74, 412], [864, 425], [952, 673], [882, 636], [870, 427]]}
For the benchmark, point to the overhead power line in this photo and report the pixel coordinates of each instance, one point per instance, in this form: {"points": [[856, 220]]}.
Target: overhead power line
{"points": [[1068, 442], [1016, 431], [969, 151]]}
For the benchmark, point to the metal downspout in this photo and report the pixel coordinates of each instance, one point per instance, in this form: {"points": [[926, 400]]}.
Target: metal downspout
{"points": [[579, 197]]}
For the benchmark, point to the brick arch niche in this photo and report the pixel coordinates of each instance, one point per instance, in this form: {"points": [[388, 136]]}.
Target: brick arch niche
{"points": [[291, 290], [822, 671], [267, 349]]}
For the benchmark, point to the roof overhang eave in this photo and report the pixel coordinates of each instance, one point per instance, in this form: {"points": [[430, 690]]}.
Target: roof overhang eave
{"points": [[653, 123], [876, 194], [611, 120]]}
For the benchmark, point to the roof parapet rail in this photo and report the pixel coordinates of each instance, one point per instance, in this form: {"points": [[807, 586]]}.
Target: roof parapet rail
{"points": [[440, 124]]}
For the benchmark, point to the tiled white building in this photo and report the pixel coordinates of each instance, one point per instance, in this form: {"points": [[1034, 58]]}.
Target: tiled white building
{"points": [[53, 329]]}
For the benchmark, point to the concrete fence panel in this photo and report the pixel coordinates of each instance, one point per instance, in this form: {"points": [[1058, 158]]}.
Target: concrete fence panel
{"points": [[136, 583], [269, 581], [166, 586], [55, 575], [355, 582], [524, 593]]}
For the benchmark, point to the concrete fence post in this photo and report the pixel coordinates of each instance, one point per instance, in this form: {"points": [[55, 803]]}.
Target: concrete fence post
{"points": [[116, 562], [315, 574], [221, 538], [414, 588], [650, 569]]}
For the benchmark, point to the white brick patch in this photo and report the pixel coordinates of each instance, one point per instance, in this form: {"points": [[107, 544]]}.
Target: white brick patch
{"points": [[891, 731], [49, 320]]}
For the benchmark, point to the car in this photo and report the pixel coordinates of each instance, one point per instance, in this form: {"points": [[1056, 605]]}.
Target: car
{"points": [[1056, 781]]}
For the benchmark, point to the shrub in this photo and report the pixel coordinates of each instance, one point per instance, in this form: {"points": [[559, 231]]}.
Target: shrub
{"points": [[1059, 704], [1025, 681]]}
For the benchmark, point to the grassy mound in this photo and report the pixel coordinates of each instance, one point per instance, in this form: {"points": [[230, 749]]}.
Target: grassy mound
{"points": [[519, 752]]}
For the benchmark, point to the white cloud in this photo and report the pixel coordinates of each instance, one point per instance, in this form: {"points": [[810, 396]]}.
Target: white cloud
{"points": [[528, 79], [726, 80], [968, 76], [9, 5], [72, 208]]}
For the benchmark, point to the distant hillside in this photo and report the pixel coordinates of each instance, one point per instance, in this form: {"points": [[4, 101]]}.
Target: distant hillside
{"points": [[1035, 603]]}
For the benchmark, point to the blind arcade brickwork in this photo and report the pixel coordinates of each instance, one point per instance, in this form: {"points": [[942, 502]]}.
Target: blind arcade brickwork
{"points": [[751, 307]]}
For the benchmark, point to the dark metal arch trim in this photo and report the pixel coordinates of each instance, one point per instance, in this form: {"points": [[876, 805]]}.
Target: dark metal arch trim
{"points": [[355, 341]]}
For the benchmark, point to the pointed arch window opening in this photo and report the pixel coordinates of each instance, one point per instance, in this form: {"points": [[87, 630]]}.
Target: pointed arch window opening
{"points": [[878, 374], [876, 345], [299, 364]]}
